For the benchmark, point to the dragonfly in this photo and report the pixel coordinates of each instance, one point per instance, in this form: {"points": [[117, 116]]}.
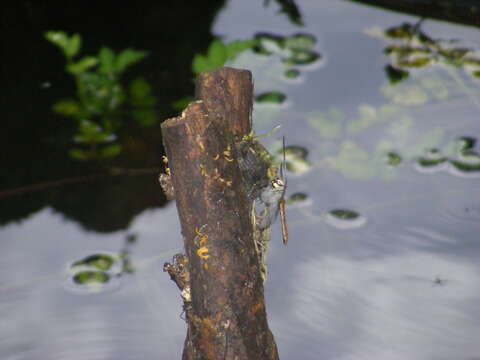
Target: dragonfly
{"points": [[265, 182], [273, 197], [265, 185]]}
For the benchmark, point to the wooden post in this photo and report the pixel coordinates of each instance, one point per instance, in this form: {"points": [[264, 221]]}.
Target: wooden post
{"points": [[220, 273]]}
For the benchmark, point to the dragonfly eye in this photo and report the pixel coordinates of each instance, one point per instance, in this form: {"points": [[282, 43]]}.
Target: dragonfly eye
{"points": [[278, 183]]}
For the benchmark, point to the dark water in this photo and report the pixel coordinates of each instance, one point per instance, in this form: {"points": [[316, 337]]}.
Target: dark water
{"points": [[382, 261]]}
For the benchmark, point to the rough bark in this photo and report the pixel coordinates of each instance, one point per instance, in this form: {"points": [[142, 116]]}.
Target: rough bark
{"points": [[221, 286]]}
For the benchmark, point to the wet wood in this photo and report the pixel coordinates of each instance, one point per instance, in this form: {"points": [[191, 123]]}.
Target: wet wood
{"points": [[223, 290]]}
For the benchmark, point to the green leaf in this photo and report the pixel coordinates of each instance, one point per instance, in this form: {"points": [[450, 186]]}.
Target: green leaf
{"points": [[58, 38], [268, 44], [236, 47], [107, 60], [145, 117], [472, 61], [465, 167], [91, 133], [67, 107], [302, 41], [415, 63], [404, 31], [432, 158], [301, 57], [460, 146], [182, 103], [79, 154], [127, 58], [91, 277], [97, 261], [296, 159], [140, 91], [82, 65], [70, 46], [99, 93], [297, 198], [291, 73], [454, 53], [271, 97], [217, 53], [200, 64], [110, 151], [344, 214], [73, 46], [289, 8], [142, 101], [395, 75], [393, 159]]}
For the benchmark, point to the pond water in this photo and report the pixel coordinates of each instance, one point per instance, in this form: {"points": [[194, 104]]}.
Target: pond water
{"points": [[382, 261]]}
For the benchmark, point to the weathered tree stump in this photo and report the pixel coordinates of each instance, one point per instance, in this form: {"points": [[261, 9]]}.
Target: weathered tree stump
{"points": [[220, 273]]}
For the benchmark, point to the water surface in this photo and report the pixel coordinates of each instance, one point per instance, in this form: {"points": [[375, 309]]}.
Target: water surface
{"points": [[382, 261]]}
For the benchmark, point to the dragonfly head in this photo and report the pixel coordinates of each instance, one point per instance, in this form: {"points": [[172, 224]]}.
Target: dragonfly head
{"points": [[274, 192], [278, 184]]}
